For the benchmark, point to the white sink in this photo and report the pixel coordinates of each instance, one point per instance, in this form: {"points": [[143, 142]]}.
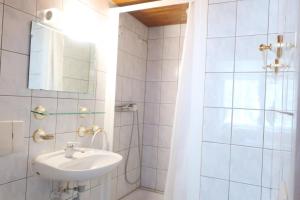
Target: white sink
{"points": [[85, 165]]}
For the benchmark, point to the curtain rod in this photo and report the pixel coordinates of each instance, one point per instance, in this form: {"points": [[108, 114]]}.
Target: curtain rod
{"points": [[148, 5]]}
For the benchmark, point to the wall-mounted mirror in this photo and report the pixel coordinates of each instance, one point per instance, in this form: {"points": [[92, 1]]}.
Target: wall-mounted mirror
{"points": [[59, 63]]}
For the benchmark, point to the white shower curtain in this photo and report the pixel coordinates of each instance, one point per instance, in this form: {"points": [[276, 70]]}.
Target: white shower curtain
{"points": [[183, 180]]}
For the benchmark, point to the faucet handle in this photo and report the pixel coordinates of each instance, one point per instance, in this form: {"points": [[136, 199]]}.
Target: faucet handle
{"points": [[72, 144]]}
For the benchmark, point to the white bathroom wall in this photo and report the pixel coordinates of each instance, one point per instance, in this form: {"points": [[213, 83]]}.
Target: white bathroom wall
{"points": [[17, 181], [247, 149], [131, 75], [164, 53]]}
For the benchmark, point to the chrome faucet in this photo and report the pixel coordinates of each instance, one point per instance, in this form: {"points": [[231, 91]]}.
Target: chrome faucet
{"points": [[70, 149]]}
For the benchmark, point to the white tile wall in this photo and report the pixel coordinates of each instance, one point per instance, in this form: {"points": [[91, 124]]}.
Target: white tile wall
{"points": [[249, 22], [221, 19], [215, 160], [246, 165], [241, 103], [220, 55], [218, 90], [242, 191], [131, 76], [164, 49], [217, 125], [16, 178], [212, 189], [249, 90], [248, 127]]}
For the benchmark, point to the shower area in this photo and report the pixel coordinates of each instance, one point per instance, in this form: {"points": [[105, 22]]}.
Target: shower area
{"points": [[250, 110], [147, 75]]}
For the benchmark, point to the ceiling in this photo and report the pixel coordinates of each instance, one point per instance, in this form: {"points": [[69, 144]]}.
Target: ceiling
{"points": [[157, 16]]}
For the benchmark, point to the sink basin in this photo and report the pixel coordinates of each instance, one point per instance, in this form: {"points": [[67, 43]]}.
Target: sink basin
{"points": [[84, 165]]}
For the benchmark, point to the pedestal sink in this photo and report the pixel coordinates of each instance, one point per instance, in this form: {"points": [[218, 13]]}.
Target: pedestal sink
{"points": [[83, 165]]}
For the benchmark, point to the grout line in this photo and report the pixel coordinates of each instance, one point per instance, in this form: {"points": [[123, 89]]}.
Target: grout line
{"points": [[19, 10], [15, 180], [264, 115], [2, 28], [232, 181], [203, 111], [232, 98]]}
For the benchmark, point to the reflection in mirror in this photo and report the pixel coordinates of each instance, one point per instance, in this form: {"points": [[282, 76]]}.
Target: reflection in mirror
{"points": [[59, 63]]}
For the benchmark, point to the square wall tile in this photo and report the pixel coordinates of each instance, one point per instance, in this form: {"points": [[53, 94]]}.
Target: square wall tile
{"points": [[249, 90], [125, 132], [278, 13], [14, 190], [240, 191], [215, 160], [16, 30], [155, 49], [292, 16], [266, 194], [165, 136], [166, 114], [214, 189], [42, 4], [154, 69], [163, 158], [218, 89], [247, 56], [152, 92], [171, 48], [38, 188], [273, 130], [221, 19], [168, 92], [252, 17], [161, 179], [14, 73], [172, 31], [246, 165], [170, 70], [290, 85], [220, 55], [248, 127], [156, 32], [16, 108], [287, 137], [151, 113], [217, 125], [150, 135], [28, 6], [66, 105], [149, 156], [14, 166], [148, 177], [267, 168], [127, 92], [274, 91]]}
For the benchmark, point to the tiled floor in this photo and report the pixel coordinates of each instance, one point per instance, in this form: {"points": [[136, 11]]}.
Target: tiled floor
{"points": [[143, 195]]}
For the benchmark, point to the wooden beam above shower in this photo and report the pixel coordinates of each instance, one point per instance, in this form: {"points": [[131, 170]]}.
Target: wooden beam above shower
{"points": [[168, 15]]}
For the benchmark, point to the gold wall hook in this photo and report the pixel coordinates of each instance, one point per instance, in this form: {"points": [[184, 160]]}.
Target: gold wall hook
{"points": [[40, 112], [265, 47], [40, 135]]}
